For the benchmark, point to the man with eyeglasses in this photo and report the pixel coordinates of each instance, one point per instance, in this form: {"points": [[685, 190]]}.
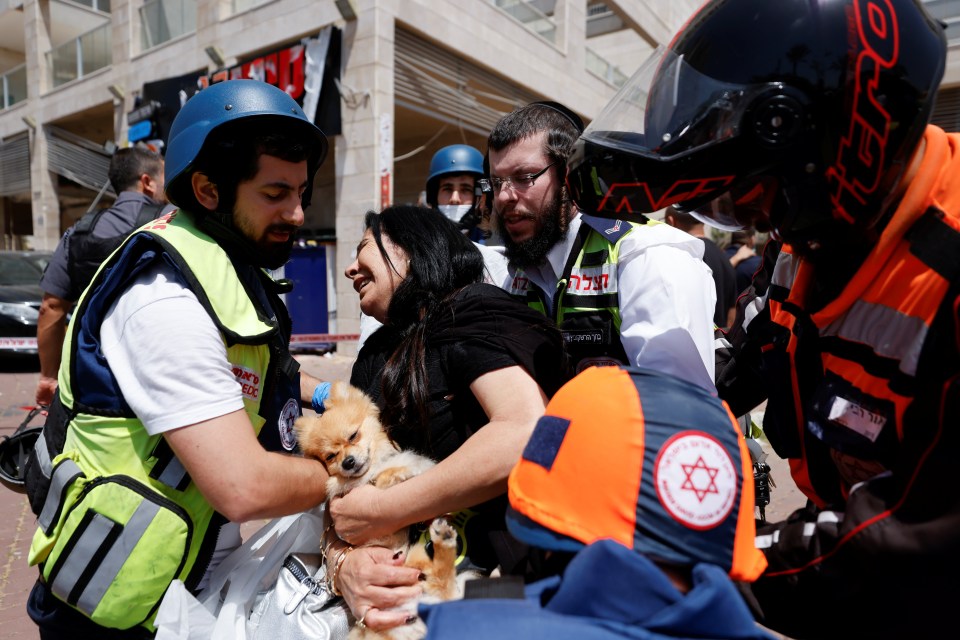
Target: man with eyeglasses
{"points": [[621, 292]]}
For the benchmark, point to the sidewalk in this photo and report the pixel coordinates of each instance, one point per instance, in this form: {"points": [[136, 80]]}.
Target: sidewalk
{"points": [[17, 522]]}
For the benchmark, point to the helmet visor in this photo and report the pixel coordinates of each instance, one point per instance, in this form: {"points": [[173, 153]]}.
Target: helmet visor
{"points": [[746, 205], [668, 108], [719, 213]]}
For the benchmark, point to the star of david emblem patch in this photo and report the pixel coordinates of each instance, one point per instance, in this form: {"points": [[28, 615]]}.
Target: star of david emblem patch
{"points": [[696, 480], [700, 478]]}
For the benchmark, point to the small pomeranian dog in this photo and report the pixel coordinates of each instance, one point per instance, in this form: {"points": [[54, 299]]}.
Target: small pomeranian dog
{"points": [[353, 446], [351, 443]]}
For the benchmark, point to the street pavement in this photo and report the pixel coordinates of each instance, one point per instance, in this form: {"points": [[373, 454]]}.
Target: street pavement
{"points": [[18, 380], [17, 523]]}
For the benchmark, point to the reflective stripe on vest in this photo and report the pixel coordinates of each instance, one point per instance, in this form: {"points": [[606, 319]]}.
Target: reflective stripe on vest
{"points": [[173, 475], [587, 293], [103, 537], [43, 457], [590, 281], [785, 270], [63, 476], [890, 333], [752, 309]]}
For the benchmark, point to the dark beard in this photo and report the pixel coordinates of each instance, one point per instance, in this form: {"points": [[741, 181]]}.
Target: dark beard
{"points": [[273, 255], [533, 252], [239, 243]]}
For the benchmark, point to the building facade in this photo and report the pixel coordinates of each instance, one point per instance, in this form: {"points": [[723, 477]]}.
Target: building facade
{"points": [[390, 82]]}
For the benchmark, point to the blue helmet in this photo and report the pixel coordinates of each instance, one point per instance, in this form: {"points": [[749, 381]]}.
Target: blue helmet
{"points": [[452, 160], [222, 103]]}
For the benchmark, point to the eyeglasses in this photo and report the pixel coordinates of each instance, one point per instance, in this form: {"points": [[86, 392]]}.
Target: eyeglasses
{"points": [[520, 183]]}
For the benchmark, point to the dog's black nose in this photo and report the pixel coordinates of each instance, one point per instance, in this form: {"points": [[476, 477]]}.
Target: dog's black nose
{"points": [[349, 463]]}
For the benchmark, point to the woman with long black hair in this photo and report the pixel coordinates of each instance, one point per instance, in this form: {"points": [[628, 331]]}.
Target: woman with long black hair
{"points": [[462, 373]]}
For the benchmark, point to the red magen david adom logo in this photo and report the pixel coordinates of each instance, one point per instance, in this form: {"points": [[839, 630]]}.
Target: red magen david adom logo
{"points": [[696, 480]]}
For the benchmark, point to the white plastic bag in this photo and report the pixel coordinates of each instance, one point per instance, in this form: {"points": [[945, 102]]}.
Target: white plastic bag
{"points": [[182, 616], [222, 610]]}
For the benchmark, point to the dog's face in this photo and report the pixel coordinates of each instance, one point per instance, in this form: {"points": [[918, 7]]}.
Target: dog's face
{"points": [[347, 438]]}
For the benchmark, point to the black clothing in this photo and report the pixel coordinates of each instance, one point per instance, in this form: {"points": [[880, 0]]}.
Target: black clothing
{"points": [[57, 620], [98, 233], [87, 251], [482, 330], [745, 269], [724, 278]]}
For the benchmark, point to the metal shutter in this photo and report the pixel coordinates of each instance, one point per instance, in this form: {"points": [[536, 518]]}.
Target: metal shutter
{"points": [[946, 111], [77, 159], [15, 165], [434, 81]]}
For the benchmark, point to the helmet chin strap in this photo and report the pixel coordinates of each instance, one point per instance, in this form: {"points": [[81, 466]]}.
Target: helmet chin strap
{"points": [[219, 226]]}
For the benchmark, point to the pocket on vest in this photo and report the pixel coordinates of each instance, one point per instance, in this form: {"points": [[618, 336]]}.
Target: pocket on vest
{"points": [[119, 546]]}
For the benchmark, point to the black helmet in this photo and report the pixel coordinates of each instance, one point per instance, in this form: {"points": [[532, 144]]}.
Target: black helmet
{"points": [[16, 448], [819, 102]]}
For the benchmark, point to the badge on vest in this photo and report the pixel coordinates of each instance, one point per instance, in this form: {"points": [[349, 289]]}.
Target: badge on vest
{"points": [[288, 415], [585, 336], [593, 281], [249, 381], [519, 285], [856, 418]]}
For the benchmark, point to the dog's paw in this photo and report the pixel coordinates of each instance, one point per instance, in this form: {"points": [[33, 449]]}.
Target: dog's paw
{"points": [[442, 533], [335, 487], [389, 477]]}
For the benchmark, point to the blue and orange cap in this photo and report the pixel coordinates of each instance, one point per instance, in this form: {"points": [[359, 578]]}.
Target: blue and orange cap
{"points": [[645, 459]]}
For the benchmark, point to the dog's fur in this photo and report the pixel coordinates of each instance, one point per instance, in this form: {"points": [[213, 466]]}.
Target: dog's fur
{"points": [[438, 579], [351, 443]]}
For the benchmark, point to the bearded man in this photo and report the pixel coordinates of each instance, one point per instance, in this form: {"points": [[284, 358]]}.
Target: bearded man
{"points": [[173, 418], [631, 293]]}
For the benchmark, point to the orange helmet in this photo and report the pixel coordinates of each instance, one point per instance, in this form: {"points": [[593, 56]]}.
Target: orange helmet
{"points": [[645, 459]]}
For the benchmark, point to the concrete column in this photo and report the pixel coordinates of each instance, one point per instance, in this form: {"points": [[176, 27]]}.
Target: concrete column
{"points": [[571, 17], [364, 155], [43, 184], [209, 14], [43, 196], [123, 46]]}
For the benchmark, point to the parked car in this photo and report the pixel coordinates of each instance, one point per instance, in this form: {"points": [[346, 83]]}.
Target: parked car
{"points": [[20, 297]]}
